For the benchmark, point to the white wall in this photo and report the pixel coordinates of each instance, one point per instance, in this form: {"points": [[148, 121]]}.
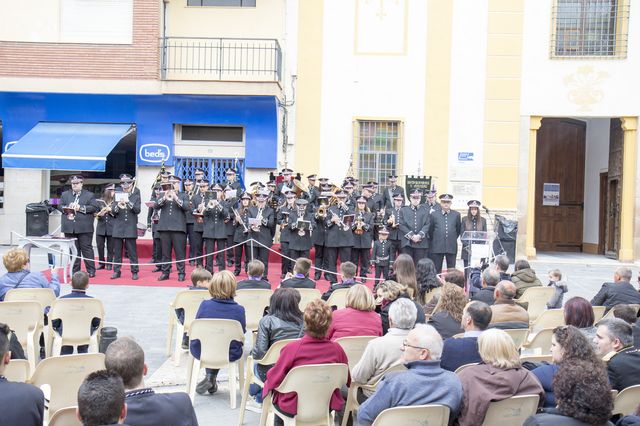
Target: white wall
{"points": [[596, 161]]}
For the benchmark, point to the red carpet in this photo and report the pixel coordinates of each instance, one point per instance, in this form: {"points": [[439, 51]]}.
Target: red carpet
{"points": [[147, 278]]}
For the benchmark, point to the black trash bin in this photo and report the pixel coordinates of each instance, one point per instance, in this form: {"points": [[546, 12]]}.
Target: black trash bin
{"points": [[506, 234], [37, 219], [108, 335]]}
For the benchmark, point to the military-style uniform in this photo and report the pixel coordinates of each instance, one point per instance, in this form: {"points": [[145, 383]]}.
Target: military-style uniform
{"points": [[311, 196], [241, 235], [198, 228], [382, 257], [300, 245], [125, 231], [215, 233], [444, 231], [414, 221], [264, 235], [153, 216], [435, 207], [280, 189], [389, 193], [395, 236], [80, 226], [190, 220], [338, 241], [361, 251], [172, 228], [231, 229], [319, 239], [104, 234], [283, 219]]}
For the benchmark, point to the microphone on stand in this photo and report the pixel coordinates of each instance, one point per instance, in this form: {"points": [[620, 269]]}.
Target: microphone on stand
{"points": [[485, 208]]}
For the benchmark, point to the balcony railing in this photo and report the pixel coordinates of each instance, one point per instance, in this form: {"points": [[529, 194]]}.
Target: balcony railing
{"points": [[220, 59]]}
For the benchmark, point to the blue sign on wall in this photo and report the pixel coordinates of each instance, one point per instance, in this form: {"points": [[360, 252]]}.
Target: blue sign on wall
{"points": [[154, 117]]}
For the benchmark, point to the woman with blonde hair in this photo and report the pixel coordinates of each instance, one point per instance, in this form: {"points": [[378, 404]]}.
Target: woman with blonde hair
{"points": [[498, 377], [447, 316], [388, 292], [358, 318], [222, 289], [18, 274]]}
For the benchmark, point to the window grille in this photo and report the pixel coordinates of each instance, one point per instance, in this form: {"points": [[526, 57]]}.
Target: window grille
{"points": [[378, 144], [214, 168], [596, 28]]}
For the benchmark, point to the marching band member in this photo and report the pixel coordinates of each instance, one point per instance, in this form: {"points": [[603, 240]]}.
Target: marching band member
{"points": [[414, 228], [444, 231], [301, 223], [172, 227], [282, 217], [392, 190], [199, 201], [432, 205], [198, 176], [339, 238], [287, 182], [383, 255], [78, 206], [215, 229], [362, 228], [190, 191], [349, 189], [472, 222], [378, 201], [313, 193], [104, 227], [319, 236], [241, 222], [234, 185], [392, 222], [153, 217], [262, 231], [125, 226]]}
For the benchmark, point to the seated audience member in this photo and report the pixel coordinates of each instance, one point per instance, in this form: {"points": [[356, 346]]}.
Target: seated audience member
{"points": [[284, 321], [18, 275], [458, 352], [79, 285], [145, 407], [560, 287], [490, 279], [447, 317], [385, 352], [524, 277], [505, 313], [313, 348], [358, 318], [630, 420], [614, 343], [22, 404], [426, 278], [627, 313], [583, 397], [387, 293], [568, 345], [451, 276], [500, 264], [221, 306], [404, 272], [499, 377], [255, 271], [101, 399], [620, 291], [348, 272], [300, 277], [578, 312], [200, 278], [424, 383]]}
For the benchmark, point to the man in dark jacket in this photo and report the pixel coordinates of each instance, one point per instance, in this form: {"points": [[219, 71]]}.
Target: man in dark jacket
{"points": [[78, 206], [614, 342], [444, 231], [145, 407], [476, 317], [490, 279], [620, 291], [125, 211], [172, 227], [414, 228]]}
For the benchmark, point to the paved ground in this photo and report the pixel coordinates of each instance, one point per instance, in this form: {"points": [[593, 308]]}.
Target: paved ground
{"points": [[142, 312]]}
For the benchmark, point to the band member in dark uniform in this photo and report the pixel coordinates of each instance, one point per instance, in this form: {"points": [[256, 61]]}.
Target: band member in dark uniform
{"points": [[339, 239], [352, 196], [172, 227], [198, 176], [378, 201], [313, 193], [153, 217], [287, 182], [432, 205], [104, 227], [282, 218], [392, 223], [262, 231], [444, 232], [301, 222], [215, 228], [240, 218], [125, 227], [472, 222], [383, 256], [199, 201], [234, 185], [190, 192], [362, 228], [78, 207], [392, 190], [319, 236], [414, 228]]}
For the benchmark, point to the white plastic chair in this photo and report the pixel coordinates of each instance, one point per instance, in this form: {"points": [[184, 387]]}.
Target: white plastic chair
{"points": [[511, 411], [338, 298], [215, 337], [307, 295], [551, 318], [254, 302], [269, 358], [354, 347], [314, 384], [17, 370], [65, 417], [536, 358], [518, 335], [540, 344], [64, 375], [26, 319], [537, 298], [44, 296], [434, 414], [462, 367], [189, 301], [626, 401], [76, 315], [598, 313]]}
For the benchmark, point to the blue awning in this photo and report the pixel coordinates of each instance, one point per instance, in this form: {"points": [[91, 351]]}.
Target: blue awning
{"points": [[65, 146]]}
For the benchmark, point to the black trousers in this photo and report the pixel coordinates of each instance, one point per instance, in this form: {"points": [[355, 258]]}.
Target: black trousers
{"points": [[331, 258], [262, 254], [211, 245], [132, 249], [382, 272], [231, 257], [396, 248], [157, 250], [286, 263], [296, 254], [415, 253], [176, 241], [198, 242], [238, 250], [439, 257], [361, 256], [100, 243], [84, 244], [320, 262], [191, 236]]}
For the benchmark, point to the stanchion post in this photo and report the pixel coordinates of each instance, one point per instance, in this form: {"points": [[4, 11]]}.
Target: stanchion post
{"points": [[252, 249]]}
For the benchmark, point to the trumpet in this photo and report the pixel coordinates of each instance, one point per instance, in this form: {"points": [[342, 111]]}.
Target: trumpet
{"points": [[74, 206], [359, 226], [322, 211], [256, 228], [392, 221], [340, 223], [213, 203]]}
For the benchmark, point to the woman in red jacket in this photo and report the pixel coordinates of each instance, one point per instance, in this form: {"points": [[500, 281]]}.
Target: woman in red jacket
{"points": [[313, 348], [358, 318]]}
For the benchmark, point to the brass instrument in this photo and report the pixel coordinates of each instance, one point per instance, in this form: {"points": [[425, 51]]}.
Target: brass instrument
{"points": [[72, 208], [240, 221], [340, 223], [212, 203], [322, 211], [285, 221], [256, 228], [392, 221], [299, 187], [359, 226]]}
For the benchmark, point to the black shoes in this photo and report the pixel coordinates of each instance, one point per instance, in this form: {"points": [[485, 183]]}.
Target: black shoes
{"points": [[100, 267], [92, 274], [181, 277], [208, 384], [192, 263], [134, 276], [236, 272], [157, 269], [115, 275], [317, 275], [163, 277], [109, 267]]}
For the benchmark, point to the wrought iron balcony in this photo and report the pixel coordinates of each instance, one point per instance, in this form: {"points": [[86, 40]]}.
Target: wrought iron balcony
{"points": [[220, 59]]}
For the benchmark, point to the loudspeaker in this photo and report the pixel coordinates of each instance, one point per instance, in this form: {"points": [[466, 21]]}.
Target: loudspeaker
{"points": [[37, 223]]}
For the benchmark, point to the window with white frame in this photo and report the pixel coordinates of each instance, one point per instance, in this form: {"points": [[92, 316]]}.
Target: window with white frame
{"points": [[378, 148]]}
